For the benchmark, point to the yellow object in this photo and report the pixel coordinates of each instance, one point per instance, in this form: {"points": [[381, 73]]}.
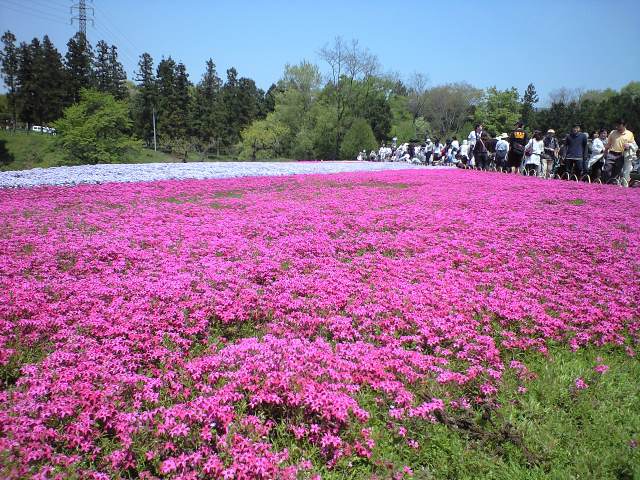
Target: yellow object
{"points": [[617, 140]]}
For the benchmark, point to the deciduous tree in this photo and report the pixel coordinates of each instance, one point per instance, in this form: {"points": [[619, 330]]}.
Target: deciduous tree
{"points": [[97, 129]]}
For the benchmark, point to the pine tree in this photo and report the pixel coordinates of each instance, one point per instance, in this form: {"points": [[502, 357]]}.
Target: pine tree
{"points": [[529, 100], [231, 108], [78, 63], [101, 68], [51, 81], [207, 112], [108, 71], [118, 75], [10, 65], [251, 98], [269, 104], [174, 106], [166, 82], [146, 100], [41, 82], [182, 102], [26, 86], [242, 104]]}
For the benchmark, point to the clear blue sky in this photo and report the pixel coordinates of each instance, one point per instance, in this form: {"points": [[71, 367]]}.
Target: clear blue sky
{"points": [[561, 43]]}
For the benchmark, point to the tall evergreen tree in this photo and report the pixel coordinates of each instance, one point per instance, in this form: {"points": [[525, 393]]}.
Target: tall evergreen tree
{"points": [[41, 81], [10, 65], [50, 81], [269, 104], [232, 108], [26, 97], [78, 63], [242, 102], [166, 81], [251, 100], [101, 68], [528, 101], [146, 100], [108, 71], [118, 75], [182, 102], [207, 113], [174, 101]]}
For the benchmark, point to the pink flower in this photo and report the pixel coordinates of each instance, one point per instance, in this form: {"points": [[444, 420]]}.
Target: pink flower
{"points": [[580, 384], [195, 319]]}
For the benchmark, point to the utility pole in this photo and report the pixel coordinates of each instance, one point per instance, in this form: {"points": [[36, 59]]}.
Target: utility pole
{"points": [[81, 17], [155, 146]]}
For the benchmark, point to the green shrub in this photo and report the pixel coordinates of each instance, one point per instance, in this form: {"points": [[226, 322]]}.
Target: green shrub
{"points": [[96, 130], [359, 137]]}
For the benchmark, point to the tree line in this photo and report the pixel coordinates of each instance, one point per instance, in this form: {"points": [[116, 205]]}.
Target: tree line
{"points": [[327, 111]]}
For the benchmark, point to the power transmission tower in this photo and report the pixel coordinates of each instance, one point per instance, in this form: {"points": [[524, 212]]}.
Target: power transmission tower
{"points": [[81, 17]]}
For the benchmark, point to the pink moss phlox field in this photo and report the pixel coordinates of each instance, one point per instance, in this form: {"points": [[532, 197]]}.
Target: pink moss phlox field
{"points": [[187, 327]]}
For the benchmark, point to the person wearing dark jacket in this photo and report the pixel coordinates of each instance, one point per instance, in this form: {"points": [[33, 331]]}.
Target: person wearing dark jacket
{"points": [[517, 141], [577, 152], [480, 152]]}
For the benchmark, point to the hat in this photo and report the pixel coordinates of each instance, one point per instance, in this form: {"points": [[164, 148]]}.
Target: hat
{"points": [[504, 135], [551, 130]]}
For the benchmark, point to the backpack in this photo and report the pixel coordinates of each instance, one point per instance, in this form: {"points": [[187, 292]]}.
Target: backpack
{"points": [[518, 148]]}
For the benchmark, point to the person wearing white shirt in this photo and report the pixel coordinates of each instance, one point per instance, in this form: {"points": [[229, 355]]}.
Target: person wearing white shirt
{"points": [[533, 153], [437, 151], [428, 150], [596, 159], [455, 148], [382, 153], [502, 149], [464, 151], [473, 137], [629, 157]]}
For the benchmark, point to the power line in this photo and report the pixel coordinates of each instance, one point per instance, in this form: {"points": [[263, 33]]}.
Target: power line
{"points": [[49, 10], [29, 9], [111, 34], [57, 6], [107, 20], [60, 3], [100, 29], [32, 13]]}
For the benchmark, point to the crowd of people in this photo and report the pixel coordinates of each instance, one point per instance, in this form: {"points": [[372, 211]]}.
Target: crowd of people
{"points": [[602, 156]]}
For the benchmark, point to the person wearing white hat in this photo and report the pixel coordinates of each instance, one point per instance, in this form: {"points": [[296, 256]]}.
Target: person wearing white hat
{"points": [[502, 149], [549, 162]]}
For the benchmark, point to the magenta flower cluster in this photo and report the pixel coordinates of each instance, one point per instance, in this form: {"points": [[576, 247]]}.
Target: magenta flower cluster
{"points": [[189, 329]]}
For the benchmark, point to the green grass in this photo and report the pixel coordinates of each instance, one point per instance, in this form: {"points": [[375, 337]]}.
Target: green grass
{"points": [[551, 431], [22, 151]]}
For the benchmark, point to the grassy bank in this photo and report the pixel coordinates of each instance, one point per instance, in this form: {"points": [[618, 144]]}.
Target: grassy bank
{"points": [[22, 151]]}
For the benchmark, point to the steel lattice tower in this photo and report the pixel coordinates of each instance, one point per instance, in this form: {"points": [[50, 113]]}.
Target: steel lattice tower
{"points": [[81, 17]]}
